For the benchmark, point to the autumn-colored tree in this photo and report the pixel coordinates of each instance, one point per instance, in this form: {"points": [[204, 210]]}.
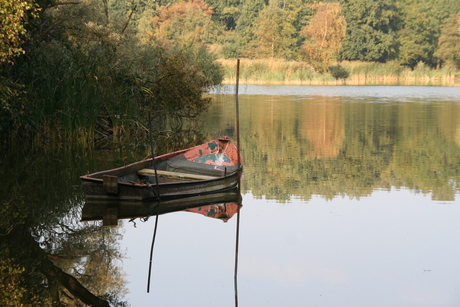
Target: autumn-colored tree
{"points": [[14, 15], [449, 41], [12, 30], [324, 35], [186, 23]]}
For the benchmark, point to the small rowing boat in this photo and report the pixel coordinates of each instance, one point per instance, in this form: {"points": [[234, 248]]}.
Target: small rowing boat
{"points": [[207, 168]]}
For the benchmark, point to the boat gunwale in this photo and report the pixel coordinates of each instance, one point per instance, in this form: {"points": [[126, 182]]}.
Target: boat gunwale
{"points": [[91, 179]]}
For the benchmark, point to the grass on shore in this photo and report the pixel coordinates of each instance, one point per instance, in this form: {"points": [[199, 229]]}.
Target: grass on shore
{"points": [[282, 72]]}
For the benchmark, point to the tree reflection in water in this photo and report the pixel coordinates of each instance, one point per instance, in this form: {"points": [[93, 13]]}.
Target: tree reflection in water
{"points": [[299, 146], [48, 258]]}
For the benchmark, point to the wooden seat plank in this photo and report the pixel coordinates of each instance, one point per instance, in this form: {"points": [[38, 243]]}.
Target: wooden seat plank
{"points": [[161, 173]]}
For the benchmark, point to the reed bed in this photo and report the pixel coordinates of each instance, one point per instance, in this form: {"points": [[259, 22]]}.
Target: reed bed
{"points": [[282, 72]]}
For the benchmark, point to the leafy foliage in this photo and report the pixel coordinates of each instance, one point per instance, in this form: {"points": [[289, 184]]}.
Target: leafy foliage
{"points": [[83, 79], [14, 288], [324, 33], [185, 23], [449, 41], [419, 33], [371, 30], [338, 72], [244, 27], [274, 34], [13, 16], [419, 29]]}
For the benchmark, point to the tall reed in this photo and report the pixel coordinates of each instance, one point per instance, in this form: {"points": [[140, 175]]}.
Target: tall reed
{"points": [[66, 100], [274, 71], [278, 71], [79, 97]]}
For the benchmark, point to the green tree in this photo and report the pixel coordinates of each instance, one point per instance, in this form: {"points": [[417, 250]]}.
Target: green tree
{"points": [[420, 28], [417, 37], [244, 26], [226, 12], [274, 33], [324, 34], [371, 26], [449, 41], [300, 12]]}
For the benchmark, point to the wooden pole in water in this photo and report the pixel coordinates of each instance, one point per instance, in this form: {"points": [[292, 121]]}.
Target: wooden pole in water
{"points": [[151, 247], [237, 111], [239, 183], [158, 208], [153, 158]]}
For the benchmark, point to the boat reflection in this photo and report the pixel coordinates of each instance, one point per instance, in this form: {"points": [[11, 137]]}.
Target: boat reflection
{"points": [[221, 205]]}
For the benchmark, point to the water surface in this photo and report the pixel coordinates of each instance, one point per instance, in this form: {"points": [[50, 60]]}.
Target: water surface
{"points": [[350, 198]]}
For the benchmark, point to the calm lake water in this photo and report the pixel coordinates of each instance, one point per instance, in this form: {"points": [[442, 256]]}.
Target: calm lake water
{"points": [[350, 198]]}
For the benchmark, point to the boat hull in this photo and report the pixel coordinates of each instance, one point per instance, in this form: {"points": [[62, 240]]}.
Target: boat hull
{"points": [[208, 175], [95, 190]]}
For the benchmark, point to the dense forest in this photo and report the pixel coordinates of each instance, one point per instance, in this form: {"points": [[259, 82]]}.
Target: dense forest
{"points": [[408, 31], [76, 71]]}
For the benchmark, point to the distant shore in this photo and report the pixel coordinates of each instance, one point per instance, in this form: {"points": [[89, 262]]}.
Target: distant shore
{"points": [[281, 72]]}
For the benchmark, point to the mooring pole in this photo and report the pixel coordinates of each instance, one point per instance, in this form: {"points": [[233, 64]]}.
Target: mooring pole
{"points": [[151, 247], [239, 181], [237, 112], [158, 205], [153, 158]]}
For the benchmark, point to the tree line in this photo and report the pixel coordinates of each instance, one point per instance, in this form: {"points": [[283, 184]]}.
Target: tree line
{"points": [[320, 32]]}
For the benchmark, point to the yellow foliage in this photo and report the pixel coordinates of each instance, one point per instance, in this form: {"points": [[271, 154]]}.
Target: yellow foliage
{"points": [[324, 34], [12, 30], [185, 22], [12, 292]]}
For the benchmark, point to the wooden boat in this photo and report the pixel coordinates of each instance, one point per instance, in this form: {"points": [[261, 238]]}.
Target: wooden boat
{"points": [[221, 205], [210, 167]]}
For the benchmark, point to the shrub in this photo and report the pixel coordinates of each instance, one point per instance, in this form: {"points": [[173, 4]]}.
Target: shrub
{"points": [[338, 72]]}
